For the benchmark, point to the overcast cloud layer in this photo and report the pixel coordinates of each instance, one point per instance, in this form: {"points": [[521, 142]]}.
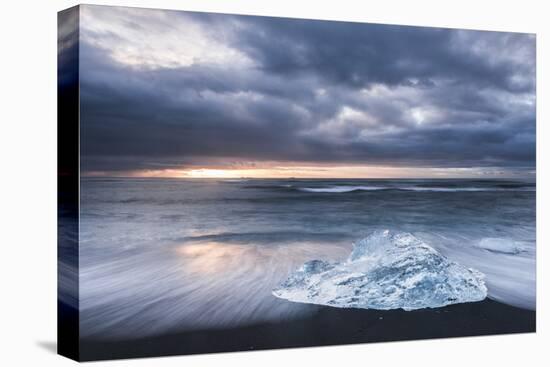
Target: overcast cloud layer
{"points": [[162, 89]]}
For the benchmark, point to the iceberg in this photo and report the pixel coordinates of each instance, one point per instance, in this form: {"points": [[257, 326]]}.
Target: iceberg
{"points": [[386, 270]]}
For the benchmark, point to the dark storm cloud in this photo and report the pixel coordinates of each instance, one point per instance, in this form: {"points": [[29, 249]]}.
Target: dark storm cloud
{"points": [[361, 54], [314, 92]]}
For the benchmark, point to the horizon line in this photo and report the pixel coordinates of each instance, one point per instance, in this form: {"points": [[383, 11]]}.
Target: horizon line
{"points": [[305, 178]]}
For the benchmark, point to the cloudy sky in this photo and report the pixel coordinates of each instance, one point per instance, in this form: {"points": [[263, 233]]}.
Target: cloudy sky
{"points": [[166, 93]]}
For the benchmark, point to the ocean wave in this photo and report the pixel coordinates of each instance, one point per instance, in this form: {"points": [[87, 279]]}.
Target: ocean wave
{"points": [[449, 189], [346, 189], [501, 245], [264, 237], [338, 189], [385, 270]]}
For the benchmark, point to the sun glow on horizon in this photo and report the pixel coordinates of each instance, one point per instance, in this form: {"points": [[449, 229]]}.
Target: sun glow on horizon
{"points": [[212, 173]]}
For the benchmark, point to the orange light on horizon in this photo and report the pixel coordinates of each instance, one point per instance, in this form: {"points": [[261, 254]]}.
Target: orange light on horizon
{"points": [[320, 171], [212, 173], [276, 170]]}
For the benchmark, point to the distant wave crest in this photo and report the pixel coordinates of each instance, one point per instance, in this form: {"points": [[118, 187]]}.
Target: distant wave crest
{"points": [[345, 189], [336, 189], [386, 270]]}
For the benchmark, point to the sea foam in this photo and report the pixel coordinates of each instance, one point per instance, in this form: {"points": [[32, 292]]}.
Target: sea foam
{"points": [[386, 270]]}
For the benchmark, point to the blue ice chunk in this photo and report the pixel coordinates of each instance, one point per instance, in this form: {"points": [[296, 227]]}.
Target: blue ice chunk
{"points": [[386, 270]]}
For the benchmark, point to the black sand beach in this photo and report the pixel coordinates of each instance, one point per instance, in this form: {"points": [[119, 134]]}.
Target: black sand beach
{"points": [[328, 326]]}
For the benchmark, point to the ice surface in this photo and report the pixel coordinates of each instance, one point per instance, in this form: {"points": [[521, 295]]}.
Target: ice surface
{"points": [[386, 270]]}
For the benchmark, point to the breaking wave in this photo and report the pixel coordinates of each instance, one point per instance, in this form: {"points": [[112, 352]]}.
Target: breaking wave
{"points": [[385, 270], [336, 189], [344, 189]]}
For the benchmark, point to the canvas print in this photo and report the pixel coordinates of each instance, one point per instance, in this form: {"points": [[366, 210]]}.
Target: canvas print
{"points": [[234, 183]]}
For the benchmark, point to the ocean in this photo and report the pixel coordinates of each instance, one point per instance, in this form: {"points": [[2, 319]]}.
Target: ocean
{"points": [[162, 256]]}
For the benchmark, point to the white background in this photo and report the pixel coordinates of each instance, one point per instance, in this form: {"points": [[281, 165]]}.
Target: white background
{"points": [[28, 183]]}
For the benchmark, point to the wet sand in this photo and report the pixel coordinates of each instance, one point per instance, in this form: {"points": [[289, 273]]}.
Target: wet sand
{"points": [[327, 326]]}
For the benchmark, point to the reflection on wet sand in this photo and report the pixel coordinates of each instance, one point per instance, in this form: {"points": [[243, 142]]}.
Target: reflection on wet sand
{"points": [[196, 285]]}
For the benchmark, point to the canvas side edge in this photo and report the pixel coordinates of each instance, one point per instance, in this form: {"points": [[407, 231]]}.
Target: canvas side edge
{"points": [[68, 183]]}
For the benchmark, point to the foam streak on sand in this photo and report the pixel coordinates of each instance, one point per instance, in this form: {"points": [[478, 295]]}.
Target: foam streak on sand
{"points": [[386, 270]]}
